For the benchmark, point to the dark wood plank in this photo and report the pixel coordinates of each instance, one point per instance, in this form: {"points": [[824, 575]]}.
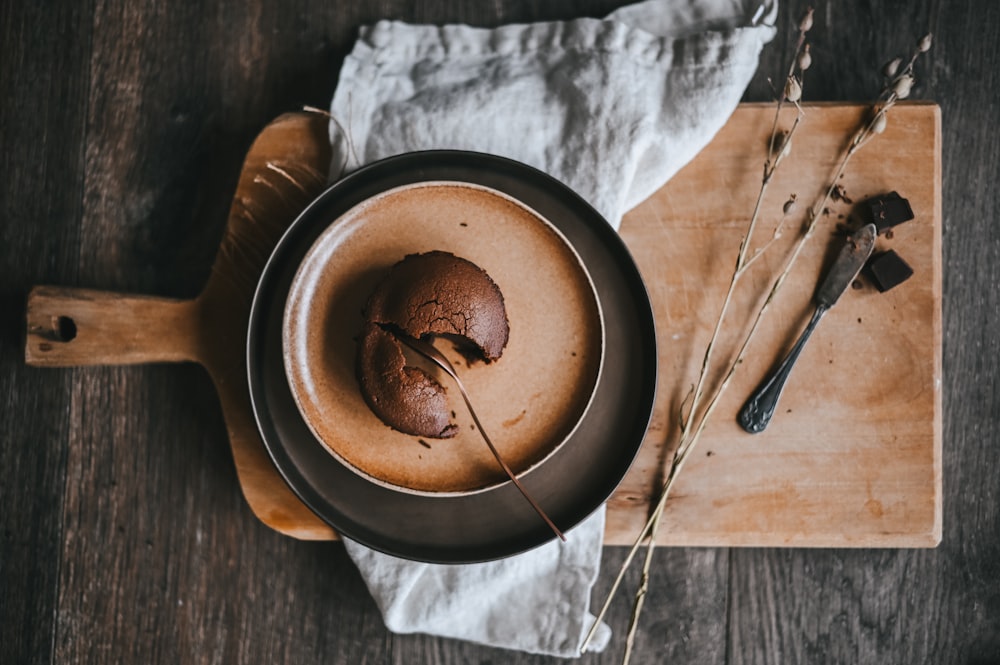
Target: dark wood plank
{"points": [[685, 619], [44, 76]]}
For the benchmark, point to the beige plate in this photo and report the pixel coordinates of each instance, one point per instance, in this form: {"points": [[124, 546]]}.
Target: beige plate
{"points": [[529, 401]]}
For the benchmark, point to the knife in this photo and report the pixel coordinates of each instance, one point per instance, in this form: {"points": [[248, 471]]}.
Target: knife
{"points": [[759, 408]]}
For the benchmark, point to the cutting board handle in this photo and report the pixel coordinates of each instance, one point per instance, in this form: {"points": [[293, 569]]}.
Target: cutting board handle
{"points": [[77, 327]]}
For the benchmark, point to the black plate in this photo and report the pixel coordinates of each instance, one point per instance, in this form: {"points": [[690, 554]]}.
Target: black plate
{"points": [[497, 523]]}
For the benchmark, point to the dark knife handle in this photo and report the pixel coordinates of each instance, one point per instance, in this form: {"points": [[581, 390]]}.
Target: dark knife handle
{"points": [[759, 408]]}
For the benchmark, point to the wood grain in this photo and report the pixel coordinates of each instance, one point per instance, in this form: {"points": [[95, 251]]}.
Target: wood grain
{"points": [[124, 536], [44, 60]]}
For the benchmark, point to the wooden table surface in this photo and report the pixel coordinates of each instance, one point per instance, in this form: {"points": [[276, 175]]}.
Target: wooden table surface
{"points": [[124, 534]]}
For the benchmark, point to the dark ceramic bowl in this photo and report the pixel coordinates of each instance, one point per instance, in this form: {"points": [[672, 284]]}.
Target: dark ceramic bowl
{"points": [[570, 484]]}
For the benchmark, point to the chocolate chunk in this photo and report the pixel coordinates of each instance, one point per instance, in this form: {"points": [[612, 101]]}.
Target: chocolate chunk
{"points": [[889, 210], [887, 270]]}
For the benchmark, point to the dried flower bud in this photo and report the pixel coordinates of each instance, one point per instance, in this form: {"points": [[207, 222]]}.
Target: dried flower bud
{"points": [[925, 44], [892, 67], [805, 59], [807, 21], [878, 125], [793, 89], [789, 204], [786, 146], [903, 86]]}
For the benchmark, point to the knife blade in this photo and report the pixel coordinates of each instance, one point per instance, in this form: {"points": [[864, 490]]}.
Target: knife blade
{"points": [[851, 259]]}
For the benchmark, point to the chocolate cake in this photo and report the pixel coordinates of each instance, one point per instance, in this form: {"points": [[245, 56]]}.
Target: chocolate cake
{"points": [[405, 398], [431, 294]]}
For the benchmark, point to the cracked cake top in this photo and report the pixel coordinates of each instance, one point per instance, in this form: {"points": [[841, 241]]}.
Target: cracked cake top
{"points": [[438, 293]]}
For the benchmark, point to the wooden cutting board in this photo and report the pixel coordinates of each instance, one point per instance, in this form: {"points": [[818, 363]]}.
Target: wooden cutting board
{"points": [[853, 456]]}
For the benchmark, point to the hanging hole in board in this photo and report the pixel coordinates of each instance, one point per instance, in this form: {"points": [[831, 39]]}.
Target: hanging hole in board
{"points": [[63, 328]]}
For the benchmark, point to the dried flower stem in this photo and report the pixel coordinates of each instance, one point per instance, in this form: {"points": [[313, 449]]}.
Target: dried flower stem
{"points": [[779, 147], [875, 125], [776, 153], [640, 595], [868, 131], [347, 137]]}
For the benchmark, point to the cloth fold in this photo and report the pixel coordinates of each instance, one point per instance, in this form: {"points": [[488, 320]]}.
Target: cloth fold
{"points": [[534, 602], [612, 107]]}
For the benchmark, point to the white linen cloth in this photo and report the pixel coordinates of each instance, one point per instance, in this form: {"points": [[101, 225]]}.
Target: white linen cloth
{"points": [[613, 108]]}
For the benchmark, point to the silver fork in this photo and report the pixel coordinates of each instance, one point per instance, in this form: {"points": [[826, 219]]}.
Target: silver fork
{"points": [[428, 351]]}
